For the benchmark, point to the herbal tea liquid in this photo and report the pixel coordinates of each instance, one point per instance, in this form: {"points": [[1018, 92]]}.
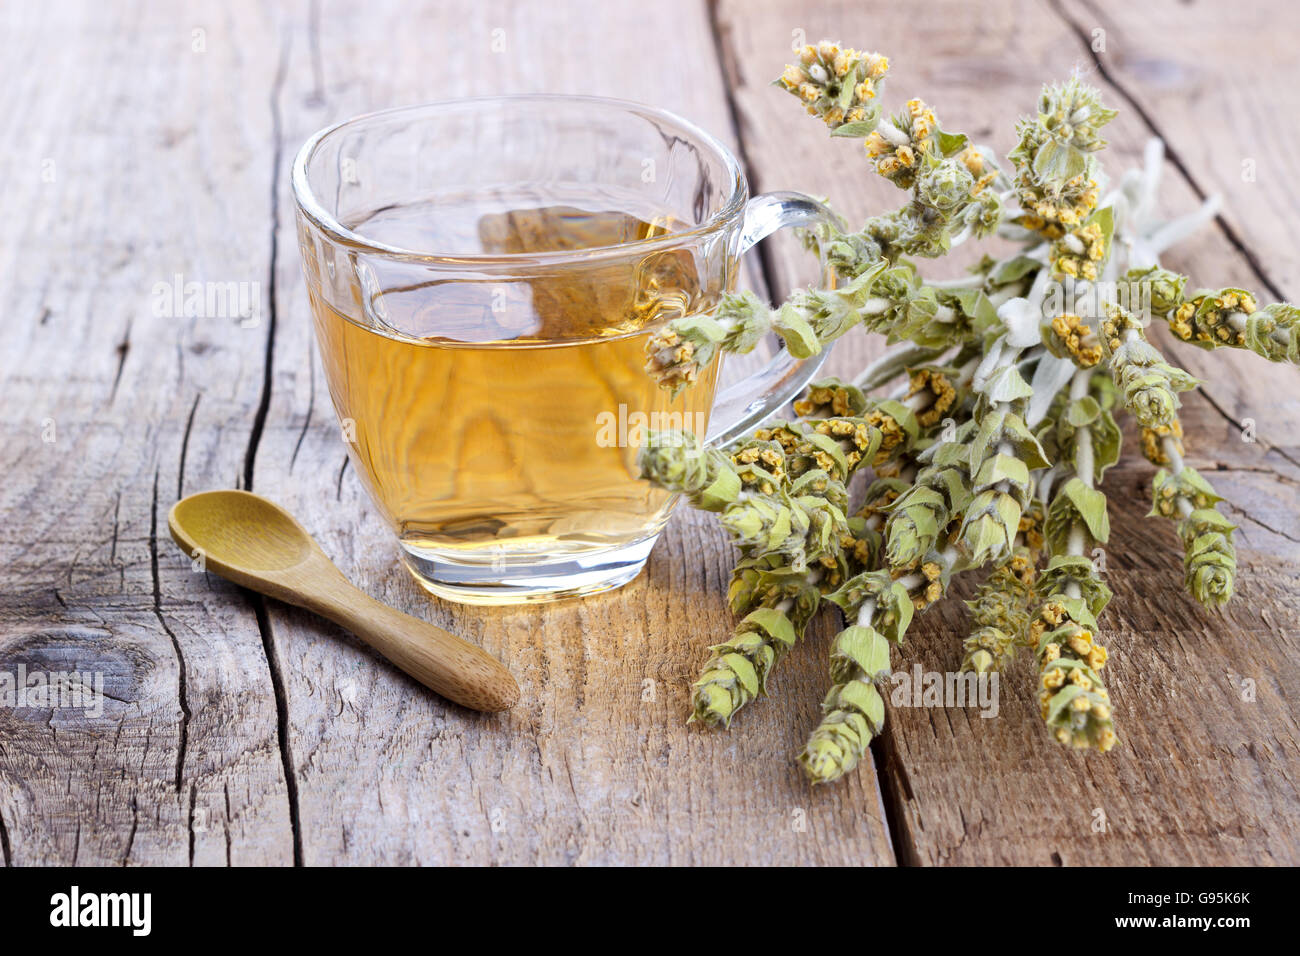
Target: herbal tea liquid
{"points": [[499, 421]]}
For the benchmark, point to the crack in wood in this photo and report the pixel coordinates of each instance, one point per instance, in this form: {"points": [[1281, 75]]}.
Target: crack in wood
{"points": [[5, 849], [194, 793], [254, 439], [1267, 527], [268, 361], [282, 722], [117, 506], [185, 447], [338, 484], [1210, 400], [895, 792], [182, 693], [135, 824], [123, 348], [225, 789]]}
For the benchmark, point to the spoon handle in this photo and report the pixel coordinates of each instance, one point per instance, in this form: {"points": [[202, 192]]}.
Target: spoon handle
{"points": [[438, 659]]}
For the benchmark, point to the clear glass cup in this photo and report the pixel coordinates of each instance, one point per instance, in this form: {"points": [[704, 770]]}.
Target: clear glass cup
{"points": [[483, 276]]}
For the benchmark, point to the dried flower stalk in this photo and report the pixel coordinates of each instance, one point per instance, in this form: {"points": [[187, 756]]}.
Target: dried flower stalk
{"points": [[993, 453]]}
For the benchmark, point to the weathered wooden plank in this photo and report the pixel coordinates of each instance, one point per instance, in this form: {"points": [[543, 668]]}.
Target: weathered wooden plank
{"points": [[1204, 776], [595, 765], [588, 770], [137, 150]]}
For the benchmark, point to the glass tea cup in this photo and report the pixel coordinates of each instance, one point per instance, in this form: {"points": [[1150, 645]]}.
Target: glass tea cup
{"points": [[483, 276]]}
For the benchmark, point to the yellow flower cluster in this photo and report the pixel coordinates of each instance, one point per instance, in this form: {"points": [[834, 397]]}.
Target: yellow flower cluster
{"points": [[891, 432], [880, 497], [1072, 333], [936, 384], [1153, 441], [1051, 216], [978, 167], [1187, 486], [836, 398], [834, 83], [856, 431], [1022, 564], [1073, 660], [932, 590], [1031, 530], [1067, 260], [769, 459], [898, 161], [1206, 317]]}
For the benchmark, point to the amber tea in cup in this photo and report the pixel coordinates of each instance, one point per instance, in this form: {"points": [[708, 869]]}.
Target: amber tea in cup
{"points": [[483, 277]]}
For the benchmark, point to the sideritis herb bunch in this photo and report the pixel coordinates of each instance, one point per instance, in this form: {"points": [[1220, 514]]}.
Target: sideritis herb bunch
{"points": [[991, 455]]}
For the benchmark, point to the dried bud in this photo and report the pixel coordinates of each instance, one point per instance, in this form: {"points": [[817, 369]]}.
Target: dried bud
{"points": [[838, 85]]}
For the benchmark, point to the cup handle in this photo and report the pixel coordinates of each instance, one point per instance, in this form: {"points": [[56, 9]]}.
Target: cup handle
{"points": [[745, 404]]}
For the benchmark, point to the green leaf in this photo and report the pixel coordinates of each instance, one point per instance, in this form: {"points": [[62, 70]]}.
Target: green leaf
{"points": [[1007, 385], [1091, 506], [1107, 441], [859, 129], [845, 98], [865, 647], [1028, 448], [830, 446], [1079, 612], [1060, 701], [990, 427], [744, 671], [1082, 411], [985, 537], [773, 623], [950, 144], [900, 413], [1105, 218], [1057, 162], [1000, 468], [902, 608], [699, 328], [798, 335], [722, 492], [1009, 511], [977, 307], [1017, 267], [866, 700]]}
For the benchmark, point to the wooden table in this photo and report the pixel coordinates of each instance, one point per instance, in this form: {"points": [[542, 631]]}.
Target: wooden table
{"points": [[142, 146]]}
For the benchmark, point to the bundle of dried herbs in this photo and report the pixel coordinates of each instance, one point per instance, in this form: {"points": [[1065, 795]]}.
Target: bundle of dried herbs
{"points": [[992, 453]]}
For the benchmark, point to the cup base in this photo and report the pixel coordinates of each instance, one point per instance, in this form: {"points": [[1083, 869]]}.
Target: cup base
{"points": [[503, 582]]}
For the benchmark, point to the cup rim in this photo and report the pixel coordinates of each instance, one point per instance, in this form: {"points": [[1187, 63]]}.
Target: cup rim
{"points": [[311, 208]]}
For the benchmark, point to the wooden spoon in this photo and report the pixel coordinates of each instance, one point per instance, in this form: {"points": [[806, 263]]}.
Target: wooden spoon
{"points": [[258, 545]]}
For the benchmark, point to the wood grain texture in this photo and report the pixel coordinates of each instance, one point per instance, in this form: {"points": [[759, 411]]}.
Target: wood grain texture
{"points": [[1203, 776], [132, 159], [236, 731], [595, 766]]}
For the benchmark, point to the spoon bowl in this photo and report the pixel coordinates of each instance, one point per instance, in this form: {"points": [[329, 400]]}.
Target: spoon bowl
{"points": [[255, 543], [241, 530]]}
